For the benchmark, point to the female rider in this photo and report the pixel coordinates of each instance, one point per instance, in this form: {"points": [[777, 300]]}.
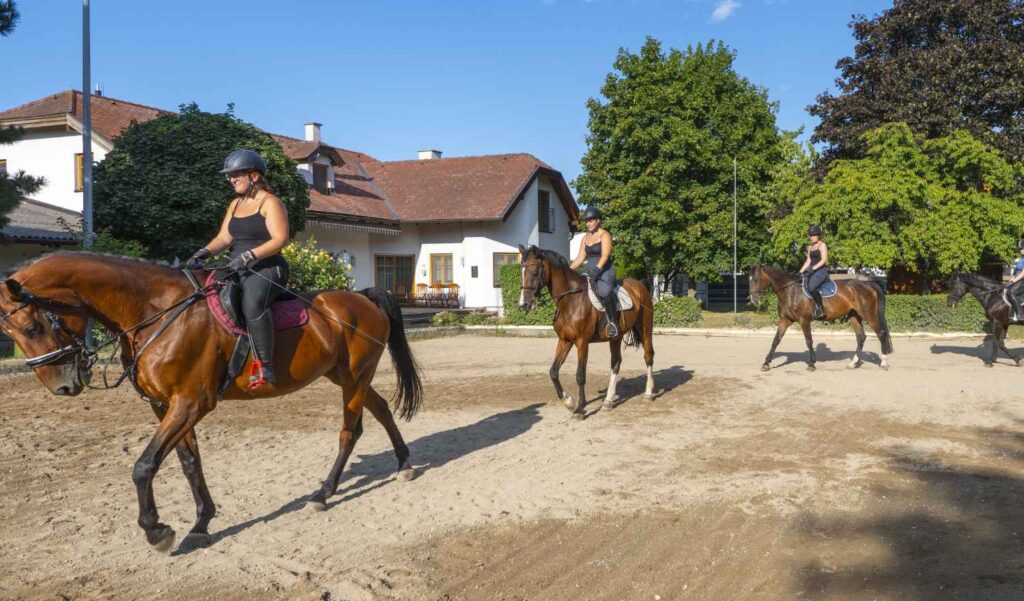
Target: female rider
{"points": [[596, 252], [255, 227], [1013, 289], [816, 268]]}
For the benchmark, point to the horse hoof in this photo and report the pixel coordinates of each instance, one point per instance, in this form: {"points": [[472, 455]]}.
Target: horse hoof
{"points": [[811, 368], [988, 365], [607, 405], [766, 367], [316, 506], [569, 403], [648, 397], [1018, 361], [579, 416], [196, 540], [885, 366], [162, 539], [853, 365], [407, 473]]}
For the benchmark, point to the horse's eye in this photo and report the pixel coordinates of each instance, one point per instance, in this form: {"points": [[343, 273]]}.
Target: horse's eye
{"points": [[33, 329]]}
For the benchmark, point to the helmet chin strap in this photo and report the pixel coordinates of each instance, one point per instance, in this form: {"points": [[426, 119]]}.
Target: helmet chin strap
{"points": [[251, 192]]}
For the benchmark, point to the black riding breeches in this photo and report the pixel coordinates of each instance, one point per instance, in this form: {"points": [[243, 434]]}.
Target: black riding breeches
{"points": [[258, 292], [605, 282], [817, 279]]}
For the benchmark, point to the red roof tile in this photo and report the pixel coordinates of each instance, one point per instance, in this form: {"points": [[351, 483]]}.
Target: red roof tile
{"points": [[110, 116]]}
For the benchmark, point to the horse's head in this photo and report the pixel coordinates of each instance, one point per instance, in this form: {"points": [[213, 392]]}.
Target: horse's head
{"points": [[759, 283], [957, 289], [51, 334], [535, 274]]}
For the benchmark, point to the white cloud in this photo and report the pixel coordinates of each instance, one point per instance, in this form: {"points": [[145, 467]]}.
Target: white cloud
{"points": [[724, 9]]}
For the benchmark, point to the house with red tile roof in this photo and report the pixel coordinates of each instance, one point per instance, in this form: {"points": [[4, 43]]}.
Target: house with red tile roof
{"points": [[431, 225]]}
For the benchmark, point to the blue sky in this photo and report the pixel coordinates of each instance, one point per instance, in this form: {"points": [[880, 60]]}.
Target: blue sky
{"points": [[391, 77]]}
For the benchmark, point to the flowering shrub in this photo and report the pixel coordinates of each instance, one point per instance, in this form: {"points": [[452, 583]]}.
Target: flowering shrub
{"points": [[313, 268]]}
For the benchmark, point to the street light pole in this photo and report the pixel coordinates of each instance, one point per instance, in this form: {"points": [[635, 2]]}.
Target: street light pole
{"points": [[735, 230], [86, 129]]}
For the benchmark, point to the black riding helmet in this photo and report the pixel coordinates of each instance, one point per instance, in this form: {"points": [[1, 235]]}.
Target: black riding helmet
{"points": [[814, 231], [592, 213], [1020, 244], [244, 159]]}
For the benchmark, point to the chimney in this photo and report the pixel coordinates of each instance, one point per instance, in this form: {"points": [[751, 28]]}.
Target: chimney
{"points": [[99, 91], [313, 132], [426, 155]]}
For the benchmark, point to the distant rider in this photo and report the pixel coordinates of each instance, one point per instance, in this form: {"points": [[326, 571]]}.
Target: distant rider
{"points": [[596, 252], [815, 270], [1012, 288]]}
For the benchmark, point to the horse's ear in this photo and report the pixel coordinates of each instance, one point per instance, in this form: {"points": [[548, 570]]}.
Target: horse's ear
{"points": [[522, 250], [13, 289]]}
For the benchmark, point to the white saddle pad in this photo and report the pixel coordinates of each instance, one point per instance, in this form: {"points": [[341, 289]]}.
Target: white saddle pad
{"points": [[624, 302]]}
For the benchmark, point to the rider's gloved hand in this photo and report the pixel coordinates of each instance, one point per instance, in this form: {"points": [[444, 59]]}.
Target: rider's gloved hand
{"points": [[242, 261], [592, 272], [196, 261]]}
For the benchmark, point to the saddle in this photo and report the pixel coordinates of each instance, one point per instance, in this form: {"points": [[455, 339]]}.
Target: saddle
{"points": [[827, 290], [225, 303], [623, 301]]}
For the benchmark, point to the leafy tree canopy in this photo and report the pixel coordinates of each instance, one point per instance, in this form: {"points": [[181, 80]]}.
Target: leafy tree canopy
{"points": [[659, 158], [937, 65], [935, 206], [161, 186]]}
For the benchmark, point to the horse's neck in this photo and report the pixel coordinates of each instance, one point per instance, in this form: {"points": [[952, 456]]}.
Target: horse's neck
{"points": [[980, 287], [777, 278], [562, 280]]}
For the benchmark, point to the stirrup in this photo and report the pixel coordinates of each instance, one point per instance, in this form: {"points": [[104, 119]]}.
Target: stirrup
{"points": [[257, 375]]}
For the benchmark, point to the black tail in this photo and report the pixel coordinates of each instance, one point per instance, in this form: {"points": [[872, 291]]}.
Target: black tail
{"points": [[883, 325], [409, 395], [635, 337]]}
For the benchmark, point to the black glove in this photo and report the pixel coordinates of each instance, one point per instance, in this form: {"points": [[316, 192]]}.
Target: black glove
{"points": [[592, 272], [242, 261], [196, 260]]}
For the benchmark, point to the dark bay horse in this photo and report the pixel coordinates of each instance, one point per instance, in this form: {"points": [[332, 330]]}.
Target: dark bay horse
{"points": [[855, 299], [576, 322], [45, 305], [989, 293]]}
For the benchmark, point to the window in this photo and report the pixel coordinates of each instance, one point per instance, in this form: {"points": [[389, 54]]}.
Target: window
{"points": [[3, 166], [78, 173], [394, 273], [503, 259], [441, 271], [545, 212], [320, 178]]}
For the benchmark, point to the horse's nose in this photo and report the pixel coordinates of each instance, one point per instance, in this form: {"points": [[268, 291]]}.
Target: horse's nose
{"points": [[63, 391]]}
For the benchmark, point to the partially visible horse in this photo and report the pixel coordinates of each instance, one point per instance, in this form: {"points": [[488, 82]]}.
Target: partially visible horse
{"points": [[989, 293], [45, 307], [576, 322], [854, 299]]}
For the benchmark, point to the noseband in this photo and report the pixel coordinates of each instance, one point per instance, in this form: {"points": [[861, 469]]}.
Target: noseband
{"points": [[83, 356], [540, 265]]}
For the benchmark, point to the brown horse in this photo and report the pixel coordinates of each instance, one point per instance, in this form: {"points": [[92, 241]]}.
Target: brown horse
{"points": [[854, 299], [576, 322], [45, 305]]}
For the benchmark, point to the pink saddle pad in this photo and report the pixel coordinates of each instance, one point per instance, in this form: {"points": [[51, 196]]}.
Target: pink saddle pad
{"points": [[287, 313]]}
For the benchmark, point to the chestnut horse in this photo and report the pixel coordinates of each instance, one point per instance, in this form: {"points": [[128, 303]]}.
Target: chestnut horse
{"points": [[45, 307], [576, 322], [854, 299]]}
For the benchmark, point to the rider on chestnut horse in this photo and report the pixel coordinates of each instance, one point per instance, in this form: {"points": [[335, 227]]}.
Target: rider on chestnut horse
{"points": [[255, 238], [596, 252], [815, 270]]}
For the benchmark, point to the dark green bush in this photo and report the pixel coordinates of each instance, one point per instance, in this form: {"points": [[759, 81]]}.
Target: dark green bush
{"points": [[676, 312], [543, 313]]}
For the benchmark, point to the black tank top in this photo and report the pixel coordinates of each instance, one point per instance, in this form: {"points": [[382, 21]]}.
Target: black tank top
{"points": [[248, 232], [816, 258], [592, 252]]}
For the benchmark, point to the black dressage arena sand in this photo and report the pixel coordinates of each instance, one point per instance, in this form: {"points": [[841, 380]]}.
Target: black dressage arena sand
{"points": [[732, 484]]}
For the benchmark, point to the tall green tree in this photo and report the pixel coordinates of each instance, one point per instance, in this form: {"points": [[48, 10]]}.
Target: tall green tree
{"points": [[937, 65], [934, 206], [659, 158], [161, 185], [13, 186]]}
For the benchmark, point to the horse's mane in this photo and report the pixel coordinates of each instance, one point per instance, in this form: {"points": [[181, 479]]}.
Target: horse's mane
{"points": [[976, 279], [162, 265], [552, 257]]}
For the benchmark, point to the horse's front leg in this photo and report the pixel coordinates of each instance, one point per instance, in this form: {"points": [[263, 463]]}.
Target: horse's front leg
{"points": [[609, 397], [561, 352], [180, 418], [582, 349], [805, 325], [779, 333]]}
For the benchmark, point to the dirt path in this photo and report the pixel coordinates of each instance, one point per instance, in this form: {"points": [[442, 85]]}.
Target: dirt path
{"points": [[732, 484]]}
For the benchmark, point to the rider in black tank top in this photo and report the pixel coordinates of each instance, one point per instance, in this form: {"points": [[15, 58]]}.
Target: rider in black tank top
{"points": [[816, 270], [255, 242]]}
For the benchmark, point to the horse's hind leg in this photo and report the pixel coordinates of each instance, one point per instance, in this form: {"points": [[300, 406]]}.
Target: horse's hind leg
{"points": [[858, 330], [647, 327], [1002, 344], [380, 410], [351, 430], [609, 397]]}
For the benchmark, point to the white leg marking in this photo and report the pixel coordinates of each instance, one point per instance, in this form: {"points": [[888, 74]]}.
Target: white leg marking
{"points": [[649, 392], [610, 396]]}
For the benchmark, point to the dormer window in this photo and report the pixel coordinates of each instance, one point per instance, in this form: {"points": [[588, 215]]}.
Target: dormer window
{"points": [[320, 173]]}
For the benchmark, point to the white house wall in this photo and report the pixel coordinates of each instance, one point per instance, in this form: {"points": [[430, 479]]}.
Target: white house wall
{"points": [[51, 153], [355, 244]]}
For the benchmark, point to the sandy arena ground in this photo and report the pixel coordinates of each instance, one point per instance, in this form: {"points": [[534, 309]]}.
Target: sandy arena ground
{"points": [[732, 484]]}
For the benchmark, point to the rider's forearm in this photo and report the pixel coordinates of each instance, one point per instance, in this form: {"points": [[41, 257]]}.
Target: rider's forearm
{"points": [[269, 248], [217, 245]]}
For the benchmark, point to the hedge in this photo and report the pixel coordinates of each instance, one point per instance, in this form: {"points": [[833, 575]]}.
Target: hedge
{"points": [[677, 312], [543, 312], [918, 313]]}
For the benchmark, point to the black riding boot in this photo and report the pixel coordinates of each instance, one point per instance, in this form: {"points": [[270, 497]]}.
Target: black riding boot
{"points": [[261, 332], [819, 306], [611, 315], [1014, 306]]}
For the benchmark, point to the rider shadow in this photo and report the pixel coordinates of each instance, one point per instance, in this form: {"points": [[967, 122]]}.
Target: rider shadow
{"points": [[823, 353], [371, 472], [983, 351], [665, 381]]}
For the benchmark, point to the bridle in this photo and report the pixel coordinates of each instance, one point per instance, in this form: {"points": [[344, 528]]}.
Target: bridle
{"points": [[555, 297], [84, 357]]}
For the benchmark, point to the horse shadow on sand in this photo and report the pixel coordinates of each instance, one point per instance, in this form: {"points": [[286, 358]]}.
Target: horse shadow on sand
{"points": [[955, 530], [982, 351], [370, 472], [822, 353], [632, 388]]}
